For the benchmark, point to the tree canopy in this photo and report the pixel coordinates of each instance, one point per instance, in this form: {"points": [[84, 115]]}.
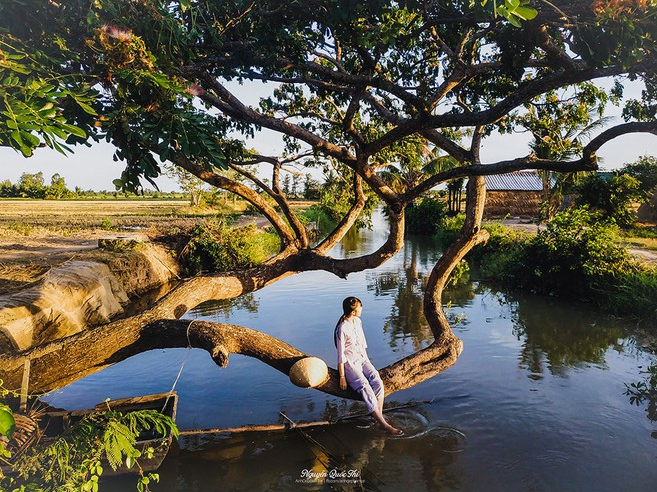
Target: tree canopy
{"points": [[361, 86]]}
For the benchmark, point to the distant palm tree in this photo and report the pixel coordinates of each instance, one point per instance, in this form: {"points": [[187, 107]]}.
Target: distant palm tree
{"points": [[561, 144], [412, 170]]}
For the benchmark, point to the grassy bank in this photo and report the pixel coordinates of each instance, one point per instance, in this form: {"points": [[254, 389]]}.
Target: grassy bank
{"points": [[577, 256]]}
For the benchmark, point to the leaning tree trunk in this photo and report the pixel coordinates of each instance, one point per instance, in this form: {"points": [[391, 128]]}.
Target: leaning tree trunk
{"points": [[60, 362], [446, 347]]}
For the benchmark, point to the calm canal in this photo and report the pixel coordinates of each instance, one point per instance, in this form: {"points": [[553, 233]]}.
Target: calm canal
{"points": [[535, 403]]}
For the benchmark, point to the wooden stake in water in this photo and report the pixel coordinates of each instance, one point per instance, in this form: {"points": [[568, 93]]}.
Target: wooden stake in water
{"points": [[25, 385]]}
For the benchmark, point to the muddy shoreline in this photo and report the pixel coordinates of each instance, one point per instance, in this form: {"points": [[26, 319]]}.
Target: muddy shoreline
{"points": [[53, 290]]}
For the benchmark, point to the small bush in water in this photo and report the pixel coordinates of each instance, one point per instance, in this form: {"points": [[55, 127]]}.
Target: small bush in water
{"points": [[576, 256]]}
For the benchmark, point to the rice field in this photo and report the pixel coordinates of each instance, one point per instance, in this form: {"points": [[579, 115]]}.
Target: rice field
{"points": [[67, 217], [36, 217]]}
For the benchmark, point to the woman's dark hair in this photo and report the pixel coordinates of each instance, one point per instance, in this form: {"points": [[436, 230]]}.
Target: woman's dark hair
{"points": [[348, 305]]}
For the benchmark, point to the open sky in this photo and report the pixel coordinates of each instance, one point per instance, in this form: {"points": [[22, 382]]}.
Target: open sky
{"points": [[94, 168]]}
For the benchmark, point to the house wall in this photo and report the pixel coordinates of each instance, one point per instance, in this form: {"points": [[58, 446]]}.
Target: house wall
{"points": [[514, 203], [648, 211]]}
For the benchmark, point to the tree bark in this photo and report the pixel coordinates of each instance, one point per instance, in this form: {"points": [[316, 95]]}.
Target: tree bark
{"points": [[446, 347]]}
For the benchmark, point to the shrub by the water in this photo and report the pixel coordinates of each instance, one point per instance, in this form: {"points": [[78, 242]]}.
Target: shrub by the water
{"points": [[215, 247], [427, 217], [448, 233], [576, 256], [503, 256], [613, 197]]}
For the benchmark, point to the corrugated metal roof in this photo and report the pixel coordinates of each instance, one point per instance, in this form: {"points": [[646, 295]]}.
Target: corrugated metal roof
{"points": [[516, 181]]}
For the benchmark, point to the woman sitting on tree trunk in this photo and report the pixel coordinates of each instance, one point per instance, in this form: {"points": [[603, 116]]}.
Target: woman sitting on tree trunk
{"points": [[354, 365]]}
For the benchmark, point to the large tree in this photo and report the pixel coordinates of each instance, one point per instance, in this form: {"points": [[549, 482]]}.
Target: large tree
{"points": [[358, 84]]}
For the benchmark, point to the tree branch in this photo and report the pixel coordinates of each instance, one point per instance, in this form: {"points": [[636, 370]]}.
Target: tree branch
{"points": [[347, 221], [588, 161], [230, 105], [281, 200], [93, 350], [523, 94], [245, 192], [588, 153]]}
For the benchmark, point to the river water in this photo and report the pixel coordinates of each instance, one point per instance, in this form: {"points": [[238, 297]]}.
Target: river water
{"points": [[536, 401]]}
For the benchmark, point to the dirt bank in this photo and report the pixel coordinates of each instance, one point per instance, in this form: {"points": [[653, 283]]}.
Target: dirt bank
{"points": [[50, 290]]}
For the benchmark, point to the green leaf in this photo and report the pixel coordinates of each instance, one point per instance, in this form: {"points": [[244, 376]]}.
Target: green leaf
{"points": [[32, 140], [525, 13], [514, 20], [74, 130], [185, 4], [7, 422], [86, 108]]}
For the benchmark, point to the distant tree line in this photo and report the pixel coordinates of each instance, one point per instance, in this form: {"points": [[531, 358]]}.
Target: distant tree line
{"points": [[33, 185]]}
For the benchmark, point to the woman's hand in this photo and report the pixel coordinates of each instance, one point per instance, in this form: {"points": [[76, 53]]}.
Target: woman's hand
{"points": [[343, 383]]}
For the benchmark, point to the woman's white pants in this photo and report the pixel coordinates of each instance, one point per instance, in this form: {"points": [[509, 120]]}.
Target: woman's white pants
{"points": [[363, 377]]}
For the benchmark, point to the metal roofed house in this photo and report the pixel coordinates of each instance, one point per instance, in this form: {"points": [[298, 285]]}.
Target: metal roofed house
{"points": [[518, 194]]}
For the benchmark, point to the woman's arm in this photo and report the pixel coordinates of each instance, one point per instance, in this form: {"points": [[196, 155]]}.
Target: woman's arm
{"points": [[340, 342], [343, 380]]}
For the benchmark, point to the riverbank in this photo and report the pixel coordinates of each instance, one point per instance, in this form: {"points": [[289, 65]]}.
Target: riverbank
{"points": [[574, 256], [90, 287], [640, 253]]}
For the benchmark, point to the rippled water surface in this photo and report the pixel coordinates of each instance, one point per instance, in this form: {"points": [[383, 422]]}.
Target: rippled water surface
{"points": [[535, 403]]}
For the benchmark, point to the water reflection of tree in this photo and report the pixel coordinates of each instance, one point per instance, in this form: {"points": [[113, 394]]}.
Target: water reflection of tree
{"points": [[223, 308], [645, 391], [408, 284], [351, 242], [560, 334]]}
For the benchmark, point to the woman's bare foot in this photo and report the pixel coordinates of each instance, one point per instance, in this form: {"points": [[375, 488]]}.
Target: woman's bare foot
{"points": [[378, 415], [393, 430]]}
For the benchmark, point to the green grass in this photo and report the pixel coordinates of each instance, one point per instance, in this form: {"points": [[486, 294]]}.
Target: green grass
{"points": [[640, 242]]}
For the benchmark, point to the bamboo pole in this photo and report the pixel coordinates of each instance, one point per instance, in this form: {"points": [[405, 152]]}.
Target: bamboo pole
{"points": [[289, 425], [25, 384], [257, 428]]}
